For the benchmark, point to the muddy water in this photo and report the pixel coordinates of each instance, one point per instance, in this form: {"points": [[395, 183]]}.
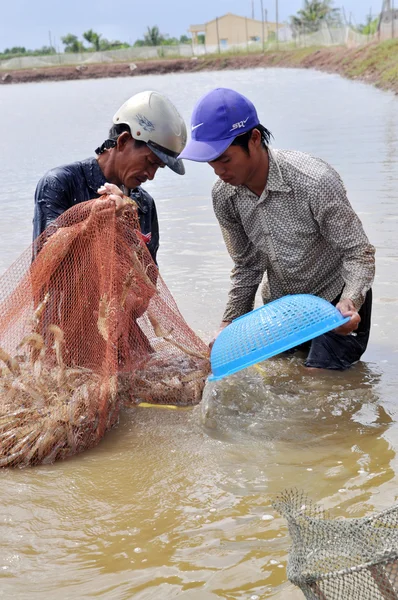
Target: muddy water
{"points": [[177, 503]]}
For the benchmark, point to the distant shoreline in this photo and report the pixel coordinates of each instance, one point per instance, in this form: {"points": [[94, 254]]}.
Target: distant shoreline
{"points": [[375, 63]]}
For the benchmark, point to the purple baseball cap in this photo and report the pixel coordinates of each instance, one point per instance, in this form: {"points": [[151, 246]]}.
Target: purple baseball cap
{"points": [[217, 119]]}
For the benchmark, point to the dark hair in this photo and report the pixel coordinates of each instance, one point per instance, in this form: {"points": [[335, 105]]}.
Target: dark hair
{"points": [[116, 130], [243, 139], [114, 133]]}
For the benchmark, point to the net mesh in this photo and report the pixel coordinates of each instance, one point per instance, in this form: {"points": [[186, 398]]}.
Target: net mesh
{"points": [[340, 559], [87, 325]]}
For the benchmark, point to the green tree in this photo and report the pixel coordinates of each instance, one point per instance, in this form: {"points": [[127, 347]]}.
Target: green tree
{"points": [[153, 37], [370, 27], [15, 50], [169, 41], [72, 44], [93, 38], [313, 14], [117, 45], [105, 44], [44, 50]]}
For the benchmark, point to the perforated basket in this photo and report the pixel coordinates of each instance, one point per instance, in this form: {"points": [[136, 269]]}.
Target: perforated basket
{"points": [[270, 330]]}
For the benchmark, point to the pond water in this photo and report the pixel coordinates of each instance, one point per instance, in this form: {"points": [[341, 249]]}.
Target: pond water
{"points": [[178, 503]]}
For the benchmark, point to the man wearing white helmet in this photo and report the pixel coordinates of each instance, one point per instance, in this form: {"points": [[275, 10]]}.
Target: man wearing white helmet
{"points": [[148, 133]]}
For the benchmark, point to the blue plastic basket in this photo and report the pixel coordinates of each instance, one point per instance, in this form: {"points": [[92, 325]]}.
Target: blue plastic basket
{"points": [[270, 330]]}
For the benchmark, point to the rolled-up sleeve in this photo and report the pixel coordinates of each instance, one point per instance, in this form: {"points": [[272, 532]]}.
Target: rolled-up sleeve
{"points": [[249, 265], [342, 228]]}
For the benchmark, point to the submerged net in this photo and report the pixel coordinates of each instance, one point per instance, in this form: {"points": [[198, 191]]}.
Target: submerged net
{"points": [[351, 559], [85, 326]]}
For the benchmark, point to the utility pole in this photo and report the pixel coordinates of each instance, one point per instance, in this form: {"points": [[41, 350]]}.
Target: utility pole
{"points": [[262, 22], [218, 37], [266, 23], [252, 9], [370, 23], [247, 36], [392, 19], [277, 23]]}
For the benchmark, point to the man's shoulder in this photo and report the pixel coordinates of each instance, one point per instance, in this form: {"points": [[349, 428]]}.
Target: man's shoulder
{"points": [[222, 191], [65, 173], [297, 166]]}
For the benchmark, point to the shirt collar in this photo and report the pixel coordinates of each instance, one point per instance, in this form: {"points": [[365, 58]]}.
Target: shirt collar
{"points": [[275, 182], [138, 194]]}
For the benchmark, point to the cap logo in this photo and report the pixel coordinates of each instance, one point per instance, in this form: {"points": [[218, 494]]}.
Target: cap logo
{"points": [[239, 124], [196, 126]]}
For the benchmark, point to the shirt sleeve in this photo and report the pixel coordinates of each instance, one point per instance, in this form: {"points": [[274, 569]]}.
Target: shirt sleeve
{"points": [[154, 243], [249, 264], [52, 198], [342, 228]]}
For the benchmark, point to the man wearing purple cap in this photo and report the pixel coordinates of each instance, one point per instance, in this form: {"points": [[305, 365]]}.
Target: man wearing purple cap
{"points": [[286, 215]]}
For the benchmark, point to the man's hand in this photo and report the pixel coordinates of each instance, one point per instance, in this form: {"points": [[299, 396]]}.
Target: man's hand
{"points": [[347, 309], [116, 195], [223, 325]]}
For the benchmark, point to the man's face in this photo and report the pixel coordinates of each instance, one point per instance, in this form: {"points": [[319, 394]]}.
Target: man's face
{"points": [[234, 166], [135, 164]]}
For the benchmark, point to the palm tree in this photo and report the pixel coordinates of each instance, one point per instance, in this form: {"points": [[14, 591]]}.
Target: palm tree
{"points": [[71, 43], [93, 38], [153, 37], [314, 12]]}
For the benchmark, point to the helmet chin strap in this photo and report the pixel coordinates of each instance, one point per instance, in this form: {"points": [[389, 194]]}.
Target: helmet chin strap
{"points": [[105, 146]]}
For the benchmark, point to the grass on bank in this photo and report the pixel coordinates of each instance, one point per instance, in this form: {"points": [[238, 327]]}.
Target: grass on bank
{"points": [[380, 60], [375, 62]]}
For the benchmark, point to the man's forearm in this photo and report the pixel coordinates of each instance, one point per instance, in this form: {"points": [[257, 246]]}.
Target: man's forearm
{"points": [[359, 276], [240, 302]]}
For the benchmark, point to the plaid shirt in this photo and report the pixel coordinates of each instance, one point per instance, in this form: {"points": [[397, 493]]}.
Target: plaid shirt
{"points": [[302, 233]]}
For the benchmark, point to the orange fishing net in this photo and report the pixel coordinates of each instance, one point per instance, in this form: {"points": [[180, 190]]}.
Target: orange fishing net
{"points": [[85, 327]]}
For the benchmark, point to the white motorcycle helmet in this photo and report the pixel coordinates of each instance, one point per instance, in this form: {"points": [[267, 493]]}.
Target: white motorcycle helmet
{"points": [[153, 119]]}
